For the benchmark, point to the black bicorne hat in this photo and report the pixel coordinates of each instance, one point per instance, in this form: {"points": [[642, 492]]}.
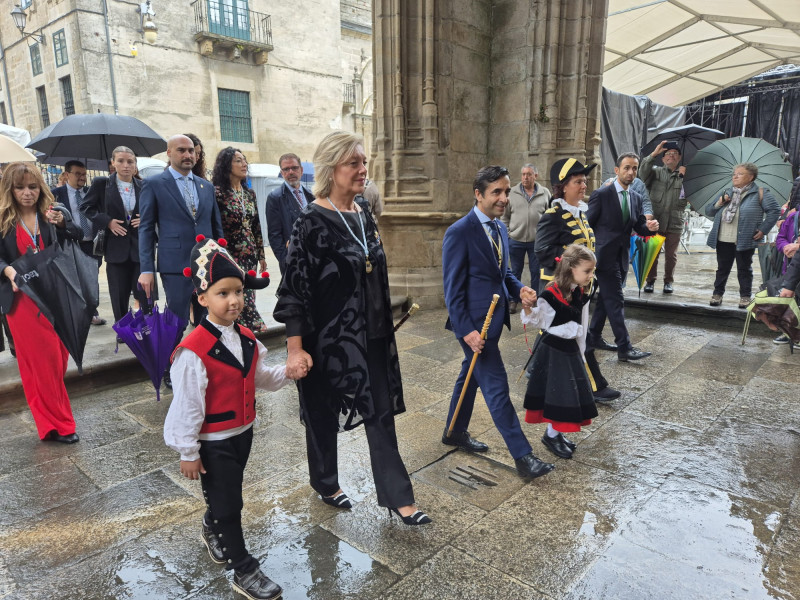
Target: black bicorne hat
{"points": [[565, 167]]}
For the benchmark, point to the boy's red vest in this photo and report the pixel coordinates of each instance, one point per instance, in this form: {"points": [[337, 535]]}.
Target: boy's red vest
{"points": [[230, 395]]}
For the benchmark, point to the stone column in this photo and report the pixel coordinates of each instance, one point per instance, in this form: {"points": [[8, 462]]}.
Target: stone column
{"points": [[459, 84]]}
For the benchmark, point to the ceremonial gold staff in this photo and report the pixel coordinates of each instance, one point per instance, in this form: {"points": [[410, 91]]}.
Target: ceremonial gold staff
{"points": [[485, 329], [414, 308]]}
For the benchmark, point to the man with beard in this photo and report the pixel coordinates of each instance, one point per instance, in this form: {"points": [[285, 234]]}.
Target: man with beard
{"points": [[180, 205], [613, 212]]}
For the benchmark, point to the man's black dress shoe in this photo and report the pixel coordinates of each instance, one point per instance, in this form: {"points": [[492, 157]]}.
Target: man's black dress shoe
{"points": [[556, 446], [601, 344], [648, 287], [465, 441], [531, 467], [668, 288], [632, 354], [212, 543], [65, 439], [606, 394]]}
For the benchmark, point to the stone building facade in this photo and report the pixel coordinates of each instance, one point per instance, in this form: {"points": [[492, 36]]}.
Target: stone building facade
{"points": [[267, 77], [460, 84]]}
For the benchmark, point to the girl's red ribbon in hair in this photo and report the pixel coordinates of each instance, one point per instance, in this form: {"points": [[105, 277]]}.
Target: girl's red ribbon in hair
{"points": [[558, 259]]}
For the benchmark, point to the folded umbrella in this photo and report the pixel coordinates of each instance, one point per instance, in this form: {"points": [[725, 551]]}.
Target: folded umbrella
{"points": [[151, 337], [62, 282], [779, 314], [643, 253]]}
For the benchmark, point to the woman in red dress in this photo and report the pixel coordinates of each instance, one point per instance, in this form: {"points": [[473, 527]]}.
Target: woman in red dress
{"points": [[26, 221]]}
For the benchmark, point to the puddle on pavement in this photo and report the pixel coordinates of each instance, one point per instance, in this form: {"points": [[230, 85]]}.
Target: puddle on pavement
{"points": [[690, 542], [320, 566]]}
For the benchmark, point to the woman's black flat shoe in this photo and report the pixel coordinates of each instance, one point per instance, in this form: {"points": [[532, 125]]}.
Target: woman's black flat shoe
{"points": [[65, 439], [338, 501], [417, 518]]}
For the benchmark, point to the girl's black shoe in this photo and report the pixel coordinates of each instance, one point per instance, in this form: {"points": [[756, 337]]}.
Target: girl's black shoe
{"points": [[338, 501], [569, 444], [417, 518]]}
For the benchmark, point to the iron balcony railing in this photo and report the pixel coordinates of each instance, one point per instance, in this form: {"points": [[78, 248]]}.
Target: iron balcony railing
{"points": [[230, 19]]}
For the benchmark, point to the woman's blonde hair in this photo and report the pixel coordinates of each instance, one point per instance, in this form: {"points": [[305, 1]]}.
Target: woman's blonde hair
{"points": [[573, 255], [332, 151], [14, 175]]}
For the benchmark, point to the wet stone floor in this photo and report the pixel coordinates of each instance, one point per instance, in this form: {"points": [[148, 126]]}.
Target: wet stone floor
{"points": [[686, 487]]}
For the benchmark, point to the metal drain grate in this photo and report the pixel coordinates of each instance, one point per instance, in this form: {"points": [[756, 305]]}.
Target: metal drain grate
{"points": [[472, 477]]}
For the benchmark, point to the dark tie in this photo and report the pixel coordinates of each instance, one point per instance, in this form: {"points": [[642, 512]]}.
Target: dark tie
{"points": [[188, 198], [495, 232], [86, 226], [299, 197], [626, 211]]}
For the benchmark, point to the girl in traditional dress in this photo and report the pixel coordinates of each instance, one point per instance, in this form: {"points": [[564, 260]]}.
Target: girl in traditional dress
{"points": [[560, 390], [27, 222]]}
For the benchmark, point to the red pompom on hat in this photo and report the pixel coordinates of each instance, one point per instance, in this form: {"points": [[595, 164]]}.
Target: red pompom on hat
{"points": [[251, 273], [265, 273], [200, 237], [223, 243], [187, 272]]}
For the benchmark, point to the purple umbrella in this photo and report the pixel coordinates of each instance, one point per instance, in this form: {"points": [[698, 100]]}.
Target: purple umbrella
{"points": [[151, 337]]}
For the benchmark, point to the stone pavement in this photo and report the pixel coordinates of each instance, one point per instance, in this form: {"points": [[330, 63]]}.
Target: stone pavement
{"points": [[686, 487]]}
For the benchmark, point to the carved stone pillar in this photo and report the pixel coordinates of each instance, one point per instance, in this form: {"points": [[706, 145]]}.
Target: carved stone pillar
{"points": [[460, 84]]}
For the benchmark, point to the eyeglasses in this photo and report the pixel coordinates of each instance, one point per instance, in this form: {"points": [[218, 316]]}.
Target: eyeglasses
{"points": [[285, 169], [671, 154]]}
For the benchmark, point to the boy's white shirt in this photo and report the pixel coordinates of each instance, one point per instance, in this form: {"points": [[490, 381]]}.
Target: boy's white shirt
{"points": [[542, 315], [189, 382]]}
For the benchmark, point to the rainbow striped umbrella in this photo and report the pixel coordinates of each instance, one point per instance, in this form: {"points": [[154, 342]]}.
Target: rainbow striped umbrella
{"points": [[644, 251]]}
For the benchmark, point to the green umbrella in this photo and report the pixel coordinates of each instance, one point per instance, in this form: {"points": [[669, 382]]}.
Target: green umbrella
{"points": [[709, 173]]}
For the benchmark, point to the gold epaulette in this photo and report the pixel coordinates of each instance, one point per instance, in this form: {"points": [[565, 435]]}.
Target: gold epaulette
{"points": [[550, 210]]}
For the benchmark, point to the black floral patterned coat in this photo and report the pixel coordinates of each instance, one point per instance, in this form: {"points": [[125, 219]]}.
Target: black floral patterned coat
{"points": [[323, 299]]}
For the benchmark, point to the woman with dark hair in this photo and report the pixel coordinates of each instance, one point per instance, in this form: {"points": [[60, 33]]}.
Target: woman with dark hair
{"points": [[240, 224], [199, 167], [28, 223], [562, 224]]}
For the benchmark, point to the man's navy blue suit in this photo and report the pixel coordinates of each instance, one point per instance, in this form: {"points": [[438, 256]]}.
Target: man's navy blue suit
{"points": [[612, 249], [471, 277], [161, 204]]}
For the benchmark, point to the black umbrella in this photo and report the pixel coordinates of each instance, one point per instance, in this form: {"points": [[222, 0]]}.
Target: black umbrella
{"points": [[690, 138], [62, 282], [96, 135]]}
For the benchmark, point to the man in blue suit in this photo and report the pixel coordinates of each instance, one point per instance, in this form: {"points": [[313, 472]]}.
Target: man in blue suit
{"points": [[181, 205], [475, 265], [284, 205], [614, 211]]}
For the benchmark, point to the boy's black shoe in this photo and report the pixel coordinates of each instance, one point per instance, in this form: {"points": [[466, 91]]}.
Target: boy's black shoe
{"points": [[212, 543], [256, 586]]}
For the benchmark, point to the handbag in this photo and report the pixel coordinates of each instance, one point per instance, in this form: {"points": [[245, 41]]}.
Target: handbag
{"points": [[99, 243]]}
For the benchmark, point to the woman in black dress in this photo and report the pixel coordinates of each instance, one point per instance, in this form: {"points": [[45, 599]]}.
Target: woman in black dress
{"points": [[334, 300], [240, 224]]}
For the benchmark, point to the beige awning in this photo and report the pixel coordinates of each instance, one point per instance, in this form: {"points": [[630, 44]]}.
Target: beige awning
{"points": [[678, 51]]}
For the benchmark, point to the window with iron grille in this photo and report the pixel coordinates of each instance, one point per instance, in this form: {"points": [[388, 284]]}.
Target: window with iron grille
{"points": [[36, 59], [44, 115], [66, 96], [3, 116], [60, 48], [234, 116]]}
